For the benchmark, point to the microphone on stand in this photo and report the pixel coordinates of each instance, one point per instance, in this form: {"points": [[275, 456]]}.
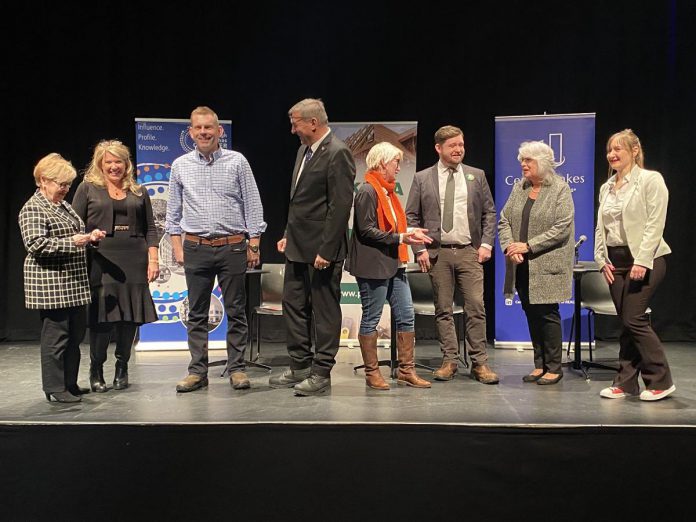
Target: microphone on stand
{"points": [[581, 240]]}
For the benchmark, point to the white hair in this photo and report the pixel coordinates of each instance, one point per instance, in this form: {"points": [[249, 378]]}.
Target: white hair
{"points": [[542, 153]]}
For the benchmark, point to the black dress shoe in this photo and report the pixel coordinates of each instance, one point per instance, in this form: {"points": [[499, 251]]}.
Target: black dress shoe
{"points": [[313, 385], [532, 377], [64, 396], [77, 390], [544, 381]]}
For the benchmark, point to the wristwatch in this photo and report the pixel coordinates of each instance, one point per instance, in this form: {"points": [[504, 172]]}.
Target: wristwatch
{"points": [[253, 248]]}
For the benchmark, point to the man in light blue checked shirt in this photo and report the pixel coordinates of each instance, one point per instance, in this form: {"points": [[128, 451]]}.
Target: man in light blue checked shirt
{"points": [[215, 204]]}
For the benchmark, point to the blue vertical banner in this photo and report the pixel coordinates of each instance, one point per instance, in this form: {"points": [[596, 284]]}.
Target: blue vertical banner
{"points": [[572, 138], [158, 142]]}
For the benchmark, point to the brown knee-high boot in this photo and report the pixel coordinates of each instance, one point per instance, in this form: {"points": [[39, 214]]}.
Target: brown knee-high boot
{"points": [[406, 374], [368, 347]]}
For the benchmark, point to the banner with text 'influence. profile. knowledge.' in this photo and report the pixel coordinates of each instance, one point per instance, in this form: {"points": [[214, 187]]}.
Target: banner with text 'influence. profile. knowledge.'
{"points": [[572, 138], [158, 142]]}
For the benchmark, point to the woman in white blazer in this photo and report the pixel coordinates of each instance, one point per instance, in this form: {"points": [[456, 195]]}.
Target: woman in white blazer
{"points": [[630, 250]]}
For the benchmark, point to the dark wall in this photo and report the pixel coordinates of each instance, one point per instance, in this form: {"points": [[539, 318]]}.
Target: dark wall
{"points": [[74, 76]]}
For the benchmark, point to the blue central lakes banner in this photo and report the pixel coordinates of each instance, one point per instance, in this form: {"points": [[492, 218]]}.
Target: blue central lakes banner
{"points": [[572, 138]]}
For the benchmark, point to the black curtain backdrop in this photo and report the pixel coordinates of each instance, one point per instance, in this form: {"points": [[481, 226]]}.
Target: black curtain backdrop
{"points": [[75, 75]]}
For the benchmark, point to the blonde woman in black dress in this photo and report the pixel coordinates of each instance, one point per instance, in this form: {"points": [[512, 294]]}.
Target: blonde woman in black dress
{"points": [[125, 262]]}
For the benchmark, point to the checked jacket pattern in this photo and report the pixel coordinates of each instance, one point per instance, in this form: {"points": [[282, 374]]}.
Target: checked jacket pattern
{"points": [[55, 269]]}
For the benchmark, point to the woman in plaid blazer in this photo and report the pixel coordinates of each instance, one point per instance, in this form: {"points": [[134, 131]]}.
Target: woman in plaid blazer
{"points": [[55, 275]]}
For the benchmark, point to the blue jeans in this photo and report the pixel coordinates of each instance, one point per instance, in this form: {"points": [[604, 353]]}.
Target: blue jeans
{"points": [[373, 294]]}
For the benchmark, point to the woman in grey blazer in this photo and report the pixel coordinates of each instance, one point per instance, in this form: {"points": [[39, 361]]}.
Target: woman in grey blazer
{"points": [[536, 232], [377, 258], [630, 250], [55, 275]]}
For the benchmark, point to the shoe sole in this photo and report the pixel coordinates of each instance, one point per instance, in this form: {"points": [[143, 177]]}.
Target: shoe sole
{"points": [[489, 382], [443, 378], [651, 398], [281, 386], [406, 383], [302, 393], [617, 396], [242, 386], [202, 384]]}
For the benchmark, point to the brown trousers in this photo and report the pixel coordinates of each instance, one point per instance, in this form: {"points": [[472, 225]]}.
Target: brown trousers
{"points": [[460, 267], [641, 351]]}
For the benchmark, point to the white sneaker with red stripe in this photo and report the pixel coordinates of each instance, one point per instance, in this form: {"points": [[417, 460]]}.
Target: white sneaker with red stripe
{"points": [[613, 392], [656, 395]]}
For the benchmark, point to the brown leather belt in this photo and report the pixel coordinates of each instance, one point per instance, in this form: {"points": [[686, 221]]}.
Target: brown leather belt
{"points": [[215, 241], [454, 245]]}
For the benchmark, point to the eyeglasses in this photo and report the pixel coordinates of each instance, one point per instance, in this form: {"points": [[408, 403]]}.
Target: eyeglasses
{"points": [[65, 185], [295, 121]]}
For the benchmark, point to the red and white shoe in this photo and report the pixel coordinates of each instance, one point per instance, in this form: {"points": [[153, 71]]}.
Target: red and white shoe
{"points": [[656, 395], [613, 392]]}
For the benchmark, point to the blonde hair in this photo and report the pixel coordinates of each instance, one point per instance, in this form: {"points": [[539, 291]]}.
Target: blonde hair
{"points": [[204, 111], [94, 173], [55, 167], [382, 153], [628, 140]]}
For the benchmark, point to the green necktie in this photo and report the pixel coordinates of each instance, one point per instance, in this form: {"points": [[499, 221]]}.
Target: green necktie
{"points": [[448, 214]]}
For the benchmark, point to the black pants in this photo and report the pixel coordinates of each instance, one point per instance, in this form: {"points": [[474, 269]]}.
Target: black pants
{"points": [[100, 335], [202, 263], [640, 349], [310, 294], [544, 321], [62, 330]]}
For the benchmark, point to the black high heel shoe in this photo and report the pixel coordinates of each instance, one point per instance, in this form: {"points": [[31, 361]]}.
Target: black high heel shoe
{"points": [[77, 390], [64, 396]]}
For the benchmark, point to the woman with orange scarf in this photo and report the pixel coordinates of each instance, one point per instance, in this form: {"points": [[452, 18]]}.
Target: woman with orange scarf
{"points": [[378, 258]]}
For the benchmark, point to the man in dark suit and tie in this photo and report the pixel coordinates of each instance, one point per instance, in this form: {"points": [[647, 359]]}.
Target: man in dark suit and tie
{"points": [[453, 201], [315, 245]]}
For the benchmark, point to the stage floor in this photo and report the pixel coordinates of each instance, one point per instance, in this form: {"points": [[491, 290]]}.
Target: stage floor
{"points": [[152, 399]]}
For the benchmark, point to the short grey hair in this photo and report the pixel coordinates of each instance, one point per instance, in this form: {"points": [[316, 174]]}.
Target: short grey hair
{"points": [[311, 108], [542, 153], [383, 152]]}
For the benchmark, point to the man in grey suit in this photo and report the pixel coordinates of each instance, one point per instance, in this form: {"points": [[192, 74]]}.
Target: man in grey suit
{"points": [[315, 245], [453, 201]]}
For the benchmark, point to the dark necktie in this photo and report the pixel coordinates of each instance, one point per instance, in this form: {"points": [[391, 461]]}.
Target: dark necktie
{"points": [[448, 211], [308, 155]]}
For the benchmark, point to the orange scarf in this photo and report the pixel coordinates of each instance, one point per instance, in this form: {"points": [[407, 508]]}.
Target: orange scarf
{"points": [[385, 218]]}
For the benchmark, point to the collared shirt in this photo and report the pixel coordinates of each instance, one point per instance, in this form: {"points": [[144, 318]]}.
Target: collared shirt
{"points": [[612, 213], [460, 233], [314, 146], [216, 197]]}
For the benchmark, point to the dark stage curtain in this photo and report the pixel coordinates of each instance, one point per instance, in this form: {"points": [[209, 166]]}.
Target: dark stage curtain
{"points": [[73, 77]]}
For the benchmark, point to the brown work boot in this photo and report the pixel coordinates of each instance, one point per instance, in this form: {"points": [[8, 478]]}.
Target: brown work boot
{"points": [[406, 374], [191, 383], [446, 372], [239, 381], [368, 347], [483, 374]]}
